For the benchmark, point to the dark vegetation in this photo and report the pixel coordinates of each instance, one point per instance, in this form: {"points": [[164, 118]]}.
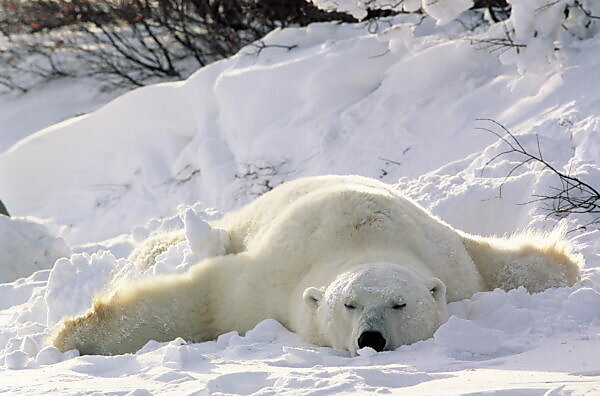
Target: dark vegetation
{"points": [[133, 42], [136, 42]]}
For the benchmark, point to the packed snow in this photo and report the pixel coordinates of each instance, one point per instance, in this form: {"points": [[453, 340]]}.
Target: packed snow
{"points": [[401, 101]]}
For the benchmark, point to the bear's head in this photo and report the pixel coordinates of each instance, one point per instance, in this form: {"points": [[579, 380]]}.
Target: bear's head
{"points": [[380, 305]]}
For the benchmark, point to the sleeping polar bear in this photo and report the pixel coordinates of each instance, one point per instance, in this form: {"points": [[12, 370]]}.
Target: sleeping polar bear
{"points": [[344, 261]]}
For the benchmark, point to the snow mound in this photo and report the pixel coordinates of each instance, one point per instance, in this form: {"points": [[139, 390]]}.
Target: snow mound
{"points": [[27, 247], [75, 281], [466, 336]]}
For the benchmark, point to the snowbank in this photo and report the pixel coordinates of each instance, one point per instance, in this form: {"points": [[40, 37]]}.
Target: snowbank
{"points": [[27, 247]]}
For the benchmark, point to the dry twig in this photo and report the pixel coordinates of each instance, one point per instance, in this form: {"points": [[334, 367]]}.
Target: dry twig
{"points": [[573, 194]]}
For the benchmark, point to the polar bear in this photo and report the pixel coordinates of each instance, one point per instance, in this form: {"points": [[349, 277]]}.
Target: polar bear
{"points": [[344, 261]]}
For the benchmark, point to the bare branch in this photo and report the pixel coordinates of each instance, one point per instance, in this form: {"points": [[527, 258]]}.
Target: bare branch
{"points": [[574, 196], [137, 41]]}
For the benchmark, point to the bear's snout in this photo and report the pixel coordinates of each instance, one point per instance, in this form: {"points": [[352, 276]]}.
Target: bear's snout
{"points": [[372, 339]]}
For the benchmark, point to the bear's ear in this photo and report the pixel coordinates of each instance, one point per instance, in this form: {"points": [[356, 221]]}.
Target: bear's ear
{"points": [[437, 289], [312, 296]]}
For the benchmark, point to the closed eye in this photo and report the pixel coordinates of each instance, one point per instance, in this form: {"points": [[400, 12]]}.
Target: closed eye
{"points": [[398, 307], [349, 306]]}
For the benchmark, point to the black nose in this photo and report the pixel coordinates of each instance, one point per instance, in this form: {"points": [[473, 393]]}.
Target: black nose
{"points": [[372, 339]]}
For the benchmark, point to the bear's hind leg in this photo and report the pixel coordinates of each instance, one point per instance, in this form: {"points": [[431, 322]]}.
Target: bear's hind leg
{"points": [[535, 261]]}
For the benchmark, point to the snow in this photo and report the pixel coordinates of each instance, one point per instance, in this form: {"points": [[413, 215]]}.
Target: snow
{"points": [[400, 104], [445, 11], [203, 239], [21, 115], [462, 335], [27, 246], [74, 281]]}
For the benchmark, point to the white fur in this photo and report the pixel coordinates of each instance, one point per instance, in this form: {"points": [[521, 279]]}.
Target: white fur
{"points": [[300, 252], [144, 255], [382, 297]]}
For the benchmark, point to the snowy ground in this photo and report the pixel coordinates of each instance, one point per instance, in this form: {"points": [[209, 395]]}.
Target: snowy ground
{"points": [[397, 102]]}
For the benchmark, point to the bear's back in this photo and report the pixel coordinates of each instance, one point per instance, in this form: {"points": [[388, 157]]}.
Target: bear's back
{"points": [[311, 229], [253, 219]]}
